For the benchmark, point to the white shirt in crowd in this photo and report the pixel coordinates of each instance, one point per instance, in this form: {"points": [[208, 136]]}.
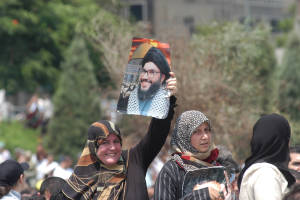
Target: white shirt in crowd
{"points": [[62, 173], [45, 168], [4, 155]]}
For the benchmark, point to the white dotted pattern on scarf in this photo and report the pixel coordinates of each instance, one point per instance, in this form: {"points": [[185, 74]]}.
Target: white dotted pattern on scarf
{"points": [[184, 127]]}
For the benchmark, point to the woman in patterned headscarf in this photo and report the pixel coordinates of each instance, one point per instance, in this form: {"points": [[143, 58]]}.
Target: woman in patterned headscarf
{"points": [[106, 172], [194, 149]]}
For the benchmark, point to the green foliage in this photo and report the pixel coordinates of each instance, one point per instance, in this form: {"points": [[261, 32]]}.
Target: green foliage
{"points": [[33, 37], [229, 77], [289, 93], [76, 102], [245, 58], [295, 136], [286, 25], [111, 36], [14, 135], [100, 71], [292, 10], [210, 29], [281, 40]]}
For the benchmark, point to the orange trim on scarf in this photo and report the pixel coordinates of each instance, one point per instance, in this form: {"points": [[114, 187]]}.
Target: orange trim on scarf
{"points": [[86, 160], [102, 126]]}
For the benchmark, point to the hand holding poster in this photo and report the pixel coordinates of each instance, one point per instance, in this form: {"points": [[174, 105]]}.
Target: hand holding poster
{"points": [[143, 91], [205, 177]]}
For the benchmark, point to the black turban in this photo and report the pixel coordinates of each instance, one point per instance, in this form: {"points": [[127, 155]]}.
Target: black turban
{"points": [[157, 57]]}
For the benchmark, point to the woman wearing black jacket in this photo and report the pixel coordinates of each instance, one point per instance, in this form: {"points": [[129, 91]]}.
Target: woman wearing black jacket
{"points": [[105, 171], [193, 146]]}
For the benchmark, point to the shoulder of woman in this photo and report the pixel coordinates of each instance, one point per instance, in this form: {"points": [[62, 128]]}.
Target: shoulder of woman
{"points": [[260, 170], [171, 171], [170, 167]]}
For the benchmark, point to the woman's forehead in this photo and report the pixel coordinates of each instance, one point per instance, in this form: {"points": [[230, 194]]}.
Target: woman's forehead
{"points": [[111, 136], [202, 125]]}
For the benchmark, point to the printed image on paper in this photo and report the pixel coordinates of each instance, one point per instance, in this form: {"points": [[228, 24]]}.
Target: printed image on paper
{"points": [[143, 91], [197, 177]]}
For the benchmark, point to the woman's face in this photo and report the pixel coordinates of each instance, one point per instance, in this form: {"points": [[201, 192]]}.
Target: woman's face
{"points": [[201, 138], [109, 151]]}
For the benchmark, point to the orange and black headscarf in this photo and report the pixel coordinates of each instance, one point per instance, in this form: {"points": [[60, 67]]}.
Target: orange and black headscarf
{"points": [[91, 178]]}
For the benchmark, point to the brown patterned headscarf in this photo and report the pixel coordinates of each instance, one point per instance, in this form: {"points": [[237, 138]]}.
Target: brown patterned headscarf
{"points": [[91, 178]]}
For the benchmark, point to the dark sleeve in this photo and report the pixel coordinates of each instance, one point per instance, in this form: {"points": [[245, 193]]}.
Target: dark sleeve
{"points": [[146, 150], [168, 182], [168, 185]]}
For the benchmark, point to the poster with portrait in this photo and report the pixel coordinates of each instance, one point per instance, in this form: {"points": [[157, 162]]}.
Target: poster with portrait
{"points": [[143, 90], [195, 178]]}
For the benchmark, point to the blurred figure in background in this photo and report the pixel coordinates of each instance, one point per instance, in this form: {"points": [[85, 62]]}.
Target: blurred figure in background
{"points": [[46, 168], [64, 170], [25, 156], [12, 179], [295, 158], [4, 153], [38, 112], [47, 113], [33, 118], [39, 156]]}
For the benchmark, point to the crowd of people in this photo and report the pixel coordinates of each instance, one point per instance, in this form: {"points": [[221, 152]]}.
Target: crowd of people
{"points": [[35, 167], [105, 171], [195, 169]]}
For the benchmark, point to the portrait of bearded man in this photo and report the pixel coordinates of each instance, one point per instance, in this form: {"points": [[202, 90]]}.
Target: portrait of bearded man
{"points": [[150, 97]]}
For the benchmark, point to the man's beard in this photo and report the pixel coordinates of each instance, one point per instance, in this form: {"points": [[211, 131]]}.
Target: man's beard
{"points": [[148, 94]]}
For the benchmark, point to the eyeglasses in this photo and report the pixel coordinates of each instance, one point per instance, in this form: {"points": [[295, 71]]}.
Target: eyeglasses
{"points": [[150, 73]]}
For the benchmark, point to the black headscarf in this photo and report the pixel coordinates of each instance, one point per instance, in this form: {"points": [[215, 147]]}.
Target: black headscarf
{"points": [[157, 57], [270, 143]]}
